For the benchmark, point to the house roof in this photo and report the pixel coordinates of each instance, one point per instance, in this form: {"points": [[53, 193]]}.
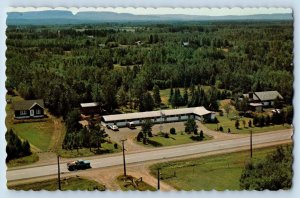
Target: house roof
{"points": [[28, 104], [265, 95], [91, 104], [150, 114], [268, 95]]}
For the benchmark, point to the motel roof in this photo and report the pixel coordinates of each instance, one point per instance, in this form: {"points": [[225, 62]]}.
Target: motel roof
{"points": [[152, 114], [91, 104]]}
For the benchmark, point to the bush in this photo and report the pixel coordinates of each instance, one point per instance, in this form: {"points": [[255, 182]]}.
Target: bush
{"points": [[116, 146], [249, 123], [173, 131], [166, 135], [139, 136], [195, 131], [201, 135]]}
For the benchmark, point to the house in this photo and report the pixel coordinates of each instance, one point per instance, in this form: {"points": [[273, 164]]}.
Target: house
{"points": [[258, 100], [185, 44], [163, 116], [29, 109], [91, 108]]}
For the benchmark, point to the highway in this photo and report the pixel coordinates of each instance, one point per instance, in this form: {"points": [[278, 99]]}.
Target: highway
{"points": [[156, 154]]}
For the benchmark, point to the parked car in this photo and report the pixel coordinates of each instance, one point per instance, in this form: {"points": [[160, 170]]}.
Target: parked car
{"points": [[115, 127], [78, 165], [112, 127], [130, 125]]}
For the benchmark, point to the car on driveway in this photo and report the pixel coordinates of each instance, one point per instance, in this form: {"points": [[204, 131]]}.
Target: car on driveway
{"points": [[130, 125], [113, 127]]}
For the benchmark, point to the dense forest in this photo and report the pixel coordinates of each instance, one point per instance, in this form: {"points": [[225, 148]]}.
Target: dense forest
{"points": [[118, 64]]}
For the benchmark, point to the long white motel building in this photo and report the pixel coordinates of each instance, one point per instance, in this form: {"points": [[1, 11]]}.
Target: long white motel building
{"points": [[162, 116]]}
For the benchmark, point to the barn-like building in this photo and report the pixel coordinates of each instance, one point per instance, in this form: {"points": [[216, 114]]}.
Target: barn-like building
{"points": [[162, 116]]}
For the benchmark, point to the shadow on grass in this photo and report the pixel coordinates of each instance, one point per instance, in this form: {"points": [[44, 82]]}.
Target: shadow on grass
{"points": [[196, 138], [154, 143]]}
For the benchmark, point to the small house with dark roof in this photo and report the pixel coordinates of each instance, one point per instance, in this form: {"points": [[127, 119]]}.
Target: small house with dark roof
{"points": [[29, 109]]}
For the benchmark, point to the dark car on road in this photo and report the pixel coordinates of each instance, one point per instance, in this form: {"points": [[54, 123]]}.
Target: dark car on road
{"points": [[78, 165]]}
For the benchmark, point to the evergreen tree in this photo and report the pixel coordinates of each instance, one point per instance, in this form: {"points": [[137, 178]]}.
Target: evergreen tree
{"points": [[185, 97], [156, 95]]}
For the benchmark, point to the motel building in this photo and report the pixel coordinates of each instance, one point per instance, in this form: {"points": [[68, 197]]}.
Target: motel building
{"points": [[162, 116]]}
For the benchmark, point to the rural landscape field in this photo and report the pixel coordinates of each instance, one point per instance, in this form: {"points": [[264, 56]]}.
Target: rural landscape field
{"points": [[109, 101]]}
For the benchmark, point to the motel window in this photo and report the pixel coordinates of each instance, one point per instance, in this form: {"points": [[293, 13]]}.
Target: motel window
{"points": [[23, 112]]}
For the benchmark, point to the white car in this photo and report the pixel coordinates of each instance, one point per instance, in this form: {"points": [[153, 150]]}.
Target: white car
{"points": [[114, 128]]}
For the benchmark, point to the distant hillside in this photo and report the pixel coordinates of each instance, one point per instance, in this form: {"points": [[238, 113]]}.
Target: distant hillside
{"points": [[53, 17]]}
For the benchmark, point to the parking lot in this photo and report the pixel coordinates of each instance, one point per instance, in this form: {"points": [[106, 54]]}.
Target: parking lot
{"points": [[130, 134]]}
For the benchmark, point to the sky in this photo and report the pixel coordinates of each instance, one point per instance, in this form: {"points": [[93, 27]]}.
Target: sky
{"points": [[152, 11]]}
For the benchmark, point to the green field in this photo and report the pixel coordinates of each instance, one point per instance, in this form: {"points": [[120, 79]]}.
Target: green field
{"points": [[219, 172], [227, 123], [126, 184], [23, 160], [179, 138], [107, 148], [73, 183]]}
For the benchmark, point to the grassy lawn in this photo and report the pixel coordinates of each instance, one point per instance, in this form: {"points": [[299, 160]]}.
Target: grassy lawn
{"points": [[23, 160], [84, 152], [126, 184], [38, 134], [73, 183], [227, 123], [179, 138], [219, 172]]}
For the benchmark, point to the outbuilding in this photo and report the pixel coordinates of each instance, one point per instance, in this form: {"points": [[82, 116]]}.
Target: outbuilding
{"points": [[90, 108], [162, 116]]}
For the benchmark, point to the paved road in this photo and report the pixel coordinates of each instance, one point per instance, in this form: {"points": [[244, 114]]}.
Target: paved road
{"points": [[156, 154]]}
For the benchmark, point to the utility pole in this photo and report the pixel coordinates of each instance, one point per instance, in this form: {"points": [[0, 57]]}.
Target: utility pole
{"points": [[158, 178], [251, 143], [58, 173], [124, 162]]}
